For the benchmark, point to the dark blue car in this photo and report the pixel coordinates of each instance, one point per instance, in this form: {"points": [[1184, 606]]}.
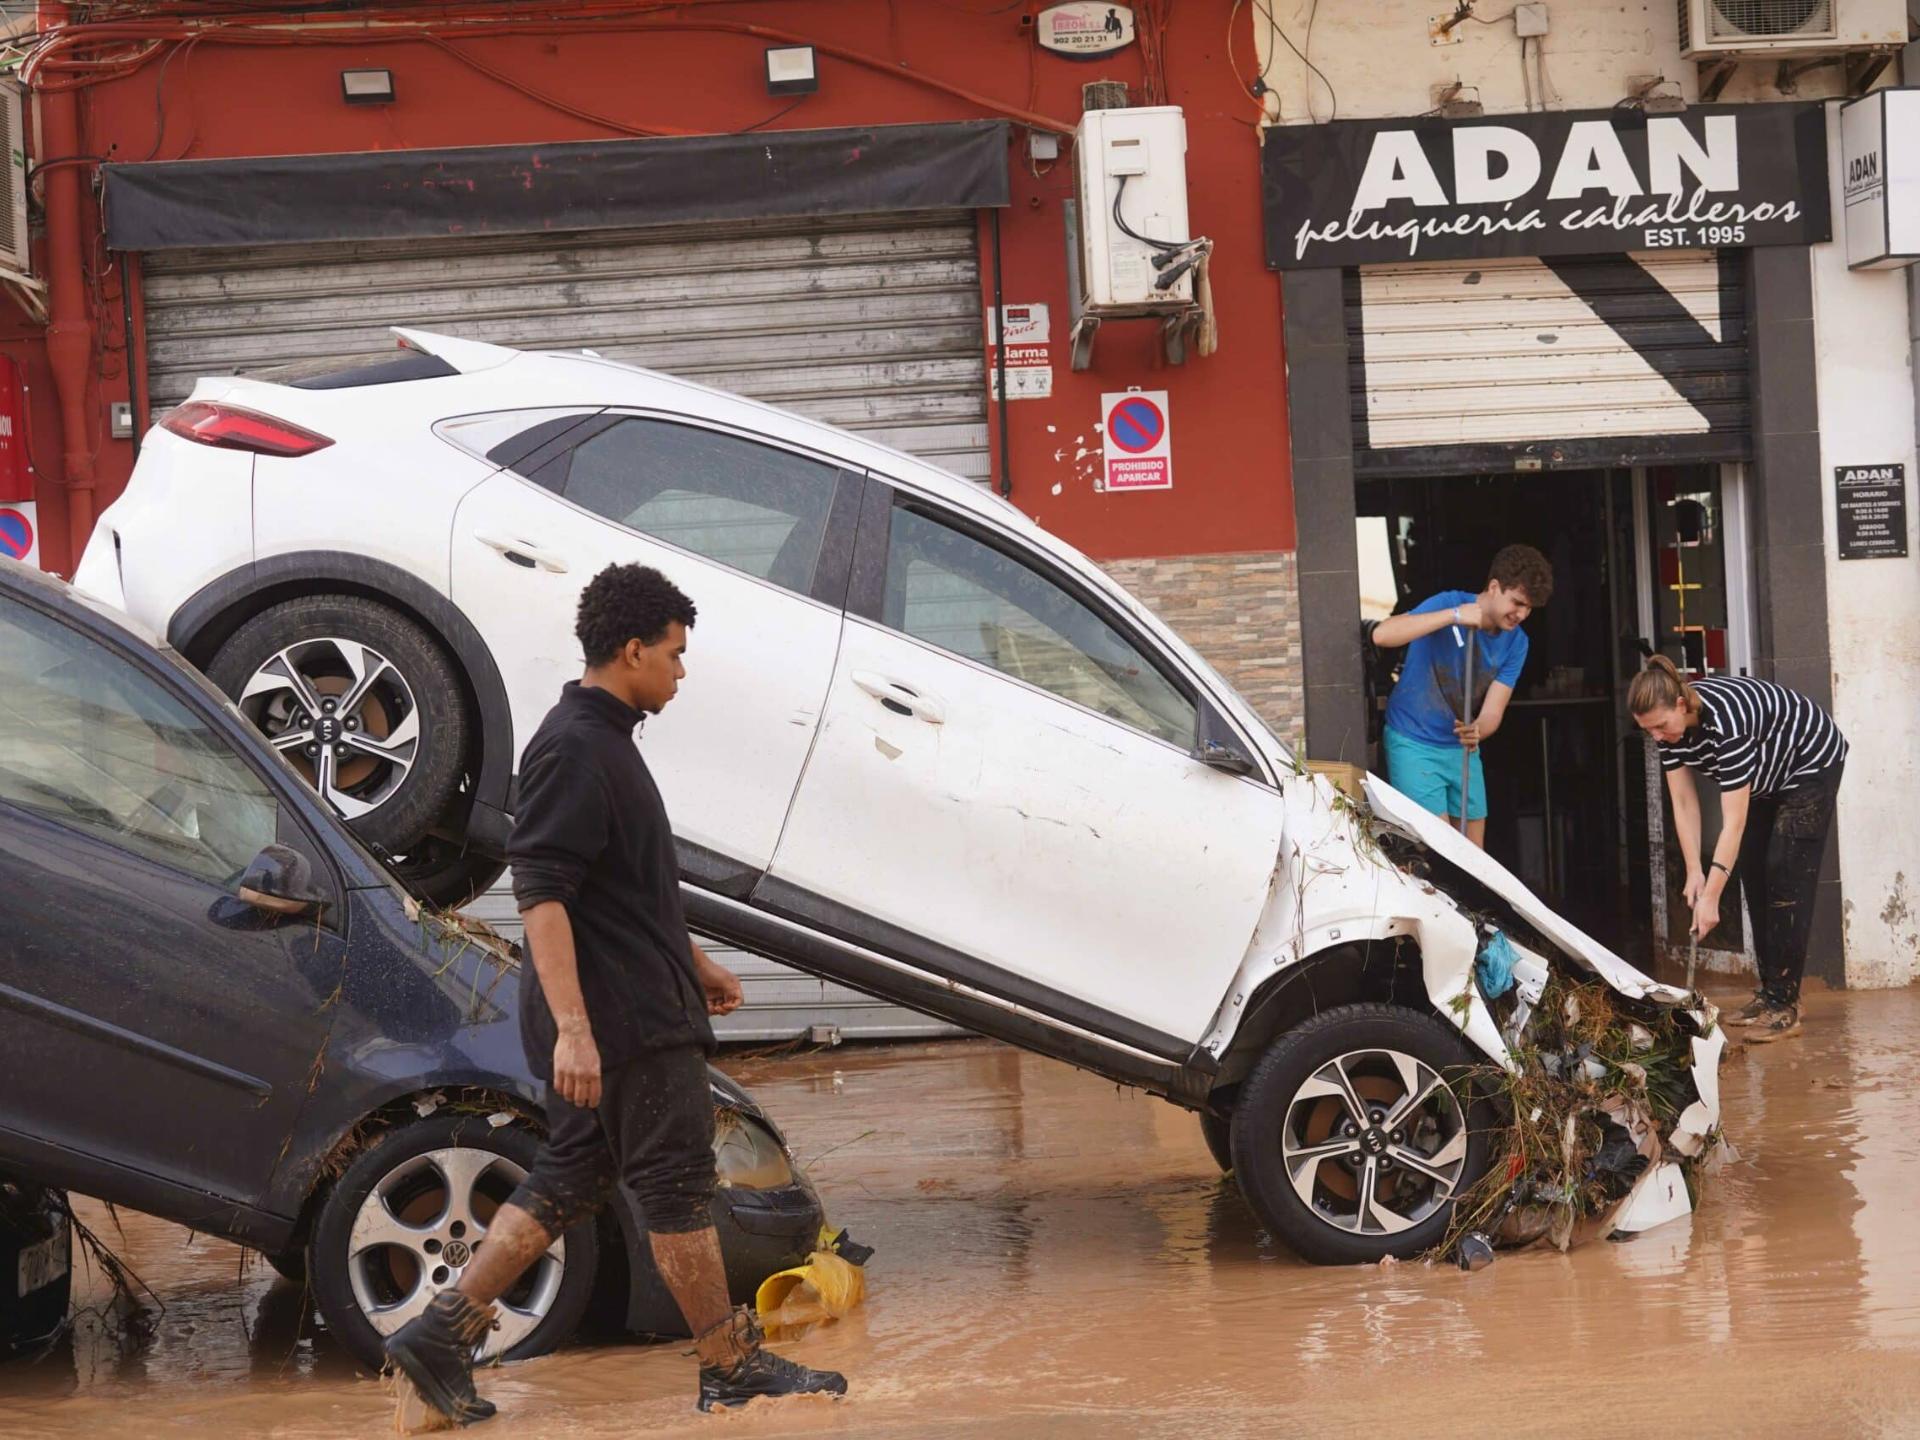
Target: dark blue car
{"points": [[216, 1006]]}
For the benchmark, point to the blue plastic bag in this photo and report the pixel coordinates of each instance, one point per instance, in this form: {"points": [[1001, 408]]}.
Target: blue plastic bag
{"points": [[1494, 965]]}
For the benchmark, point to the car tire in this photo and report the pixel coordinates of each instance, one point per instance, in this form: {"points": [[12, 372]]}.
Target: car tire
{"points": [[288, 1264], [391, 804], [1301, 1155], [442, 874], [35, 1236], [365, 1291], [1217, 1131]]}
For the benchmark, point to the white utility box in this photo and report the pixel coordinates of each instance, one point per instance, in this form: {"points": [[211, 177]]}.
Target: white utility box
{"points": [[1132, 163]]}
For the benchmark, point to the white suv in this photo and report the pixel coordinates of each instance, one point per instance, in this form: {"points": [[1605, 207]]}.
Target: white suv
{"points": [[924, 748]]}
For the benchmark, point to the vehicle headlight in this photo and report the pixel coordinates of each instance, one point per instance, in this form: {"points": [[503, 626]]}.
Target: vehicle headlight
{"points": [[746, 1154]]}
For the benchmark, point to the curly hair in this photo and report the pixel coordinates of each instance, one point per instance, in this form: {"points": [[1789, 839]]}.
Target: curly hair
{"points": [[1521, 567], [628, 602]]}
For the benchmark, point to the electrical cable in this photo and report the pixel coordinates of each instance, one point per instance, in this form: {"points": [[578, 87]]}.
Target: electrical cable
{"points": [[1332, 94], [50, 52], [762, 124], [1132, 234]]}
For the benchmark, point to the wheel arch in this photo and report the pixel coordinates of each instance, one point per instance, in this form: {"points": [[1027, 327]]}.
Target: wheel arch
{"points": [[1389, 971], [308, 1179], [209, 619]]}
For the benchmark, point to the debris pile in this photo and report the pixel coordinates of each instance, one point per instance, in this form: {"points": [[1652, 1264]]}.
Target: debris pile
{"points": [[1602, 1125]]}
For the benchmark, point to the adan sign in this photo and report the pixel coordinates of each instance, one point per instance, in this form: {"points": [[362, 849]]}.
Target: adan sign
{"points": [[1370, 192]]}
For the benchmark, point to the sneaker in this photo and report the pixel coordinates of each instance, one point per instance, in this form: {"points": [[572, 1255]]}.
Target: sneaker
{"points": [[1749, 1012], [434, 1353], [764, 1373], [1778, 1023]]}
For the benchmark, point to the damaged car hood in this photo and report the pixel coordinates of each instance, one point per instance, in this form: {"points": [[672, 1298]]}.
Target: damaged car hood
{"points": [[1389, 805]]}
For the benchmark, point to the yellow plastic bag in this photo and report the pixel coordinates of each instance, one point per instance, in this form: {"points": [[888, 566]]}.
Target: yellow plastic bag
{"points": [[825, 1288]]}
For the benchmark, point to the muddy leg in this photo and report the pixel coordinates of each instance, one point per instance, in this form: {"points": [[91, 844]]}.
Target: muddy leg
{"points": [[513, 1242], [690, 1263]]}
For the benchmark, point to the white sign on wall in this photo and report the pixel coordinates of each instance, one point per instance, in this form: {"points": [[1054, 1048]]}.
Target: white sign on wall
{"points": [[1029, 360], [1880, 178], [1085, 31], [1138, 440]]}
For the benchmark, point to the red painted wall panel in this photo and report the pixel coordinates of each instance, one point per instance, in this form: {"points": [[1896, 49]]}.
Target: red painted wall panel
{"points": [[1232, 491]]}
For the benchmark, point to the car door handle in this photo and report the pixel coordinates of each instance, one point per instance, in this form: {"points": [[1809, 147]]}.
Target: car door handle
{"points": [[531, 557], [901, 699]]}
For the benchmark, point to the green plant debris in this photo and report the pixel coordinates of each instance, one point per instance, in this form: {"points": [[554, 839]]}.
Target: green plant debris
{"points": [[1600, 1082]]}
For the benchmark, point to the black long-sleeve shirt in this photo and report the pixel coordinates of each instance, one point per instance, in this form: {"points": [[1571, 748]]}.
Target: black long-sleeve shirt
{"points": [[591, 832]]}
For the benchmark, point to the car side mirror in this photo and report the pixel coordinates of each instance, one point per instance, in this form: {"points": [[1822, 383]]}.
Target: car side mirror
{"points": [[1218, 748], [280, 882]]}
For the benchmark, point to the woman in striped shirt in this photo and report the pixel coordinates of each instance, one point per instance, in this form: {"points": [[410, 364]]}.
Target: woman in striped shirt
{"points": [[1777, 758]]}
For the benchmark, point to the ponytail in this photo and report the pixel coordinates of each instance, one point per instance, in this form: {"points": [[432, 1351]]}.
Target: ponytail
{"points": [[1659, 687]]}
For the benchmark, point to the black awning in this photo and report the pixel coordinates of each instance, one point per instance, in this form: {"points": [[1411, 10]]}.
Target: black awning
{"points": [[581, 185]]}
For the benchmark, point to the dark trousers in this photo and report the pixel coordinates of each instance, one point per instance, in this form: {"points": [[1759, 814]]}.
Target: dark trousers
{"points": [[1779, 868], [652, 1132]]}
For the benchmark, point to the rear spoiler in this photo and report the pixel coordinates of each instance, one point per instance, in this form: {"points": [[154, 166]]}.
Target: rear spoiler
{"points": [[466, 356]]}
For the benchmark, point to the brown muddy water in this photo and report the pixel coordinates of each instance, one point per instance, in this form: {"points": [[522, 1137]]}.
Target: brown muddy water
{"points": [[1060, 1258]]}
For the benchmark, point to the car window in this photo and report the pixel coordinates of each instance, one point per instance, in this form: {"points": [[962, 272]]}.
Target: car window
{"points": [[749, 506], [93, 743], [953, 591]]}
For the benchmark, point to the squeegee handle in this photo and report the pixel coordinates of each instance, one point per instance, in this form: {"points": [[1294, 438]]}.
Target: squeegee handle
{"points": [[1466, 718]]}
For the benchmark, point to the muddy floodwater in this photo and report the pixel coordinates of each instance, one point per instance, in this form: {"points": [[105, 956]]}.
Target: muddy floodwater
{"points": [[1060, 1258]]}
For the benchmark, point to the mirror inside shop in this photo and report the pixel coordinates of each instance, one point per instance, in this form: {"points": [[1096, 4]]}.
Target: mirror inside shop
{"points": [[1644, 559]]}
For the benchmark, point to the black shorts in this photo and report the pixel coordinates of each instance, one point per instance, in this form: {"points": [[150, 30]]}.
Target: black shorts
{"points": [[652, 1132]]}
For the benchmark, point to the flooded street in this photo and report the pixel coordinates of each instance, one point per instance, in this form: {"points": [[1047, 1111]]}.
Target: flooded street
{"points": [[1060, 1257]]}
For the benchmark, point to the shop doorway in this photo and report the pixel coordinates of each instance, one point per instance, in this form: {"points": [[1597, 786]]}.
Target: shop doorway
{"points": [[1641, 562]]}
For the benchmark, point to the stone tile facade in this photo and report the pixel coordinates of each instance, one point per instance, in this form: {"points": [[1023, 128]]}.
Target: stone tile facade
{"points": [[1242, 612]]}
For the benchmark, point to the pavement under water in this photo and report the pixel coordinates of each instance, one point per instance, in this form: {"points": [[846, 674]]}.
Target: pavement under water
{"points": [[1058, 1257]]}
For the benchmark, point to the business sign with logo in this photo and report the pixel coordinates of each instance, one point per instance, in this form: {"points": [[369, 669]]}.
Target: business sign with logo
{"points": [[1029, 357], [1085, 31], [1371, 192], [1870, 504], [1880, 178]]}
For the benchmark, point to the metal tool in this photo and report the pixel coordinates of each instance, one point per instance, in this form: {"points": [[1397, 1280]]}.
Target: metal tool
{"points": [[1466, 718], [1693, 947]]}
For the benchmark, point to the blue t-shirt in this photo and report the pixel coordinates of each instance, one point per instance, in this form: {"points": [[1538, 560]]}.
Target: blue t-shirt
{"points": [[1425, 704]]}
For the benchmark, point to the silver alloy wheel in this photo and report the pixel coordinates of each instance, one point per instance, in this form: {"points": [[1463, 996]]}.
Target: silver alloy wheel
{"points": [[1374, 1142], [343, 714], [416, 1233]]}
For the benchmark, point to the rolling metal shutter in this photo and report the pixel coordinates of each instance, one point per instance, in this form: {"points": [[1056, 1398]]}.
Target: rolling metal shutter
{"points": [[870, 323], [873, 324], [1618, 359]]}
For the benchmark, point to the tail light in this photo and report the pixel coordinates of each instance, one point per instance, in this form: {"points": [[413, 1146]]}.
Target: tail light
{"points": [[231, 428]]}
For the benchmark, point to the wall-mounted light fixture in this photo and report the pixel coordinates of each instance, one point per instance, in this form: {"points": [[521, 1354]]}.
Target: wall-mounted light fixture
{"points": [[791, 70], [367, 87]]}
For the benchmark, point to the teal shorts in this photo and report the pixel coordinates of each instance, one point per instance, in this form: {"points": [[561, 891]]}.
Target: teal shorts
{"points": [[1429, 775]]}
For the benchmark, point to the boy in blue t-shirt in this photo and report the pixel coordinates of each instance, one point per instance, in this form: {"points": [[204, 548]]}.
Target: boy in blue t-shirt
{"points": [[1425, 737]]}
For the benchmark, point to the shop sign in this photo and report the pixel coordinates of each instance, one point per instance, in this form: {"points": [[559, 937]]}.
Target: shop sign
{"points": [[1369, 192], [1085, 31], [1880, 178], [1870, 504], [1137, 440], [1027, 332]]}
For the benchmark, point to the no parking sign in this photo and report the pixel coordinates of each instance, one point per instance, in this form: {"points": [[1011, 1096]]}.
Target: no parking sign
{"points": [[1139, 440], [19, 538]]}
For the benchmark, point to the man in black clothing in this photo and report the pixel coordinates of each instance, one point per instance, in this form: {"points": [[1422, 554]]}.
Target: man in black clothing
{"points": [[613, 1017]]}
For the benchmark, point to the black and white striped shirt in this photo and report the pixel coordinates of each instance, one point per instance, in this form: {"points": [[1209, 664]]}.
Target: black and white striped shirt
{"points": [[1754, 732]]}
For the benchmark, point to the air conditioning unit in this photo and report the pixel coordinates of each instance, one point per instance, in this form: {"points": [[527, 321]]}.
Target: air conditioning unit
{"points": [[1132, 176], [1743, 29], [13, 205]]}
